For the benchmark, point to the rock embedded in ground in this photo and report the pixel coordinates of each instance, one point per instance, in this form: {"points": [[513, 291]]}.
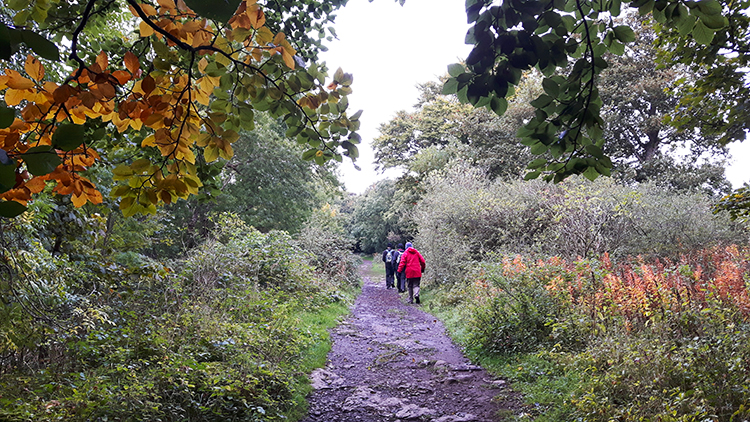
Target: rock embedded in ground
{"points": [[391, 361]]}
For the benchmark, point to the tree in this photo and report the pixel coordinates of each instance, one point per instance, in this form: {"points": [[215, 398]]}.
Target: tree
{"points": [[637, 103], [441, 129], [511, 37], [368, 223], [177, 90]]}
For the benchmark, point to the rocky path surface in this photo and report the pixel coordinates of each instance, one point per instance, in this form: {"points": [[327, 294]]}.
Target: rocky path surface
{"points": [[393, 362]]}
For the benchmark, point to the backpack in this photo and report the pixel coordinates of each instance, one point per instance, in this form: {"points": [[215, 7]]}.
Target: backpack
{"points": [[398, 257], [389, 256]]}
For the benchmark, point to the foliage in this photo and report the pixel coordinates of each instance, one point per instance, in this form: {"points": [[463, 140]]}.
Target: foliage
{"points": [[441, 128], [637, 101], [330, 248], [597, 340], [177, 91], [464, 217], [512, 37], [370, 223], [219, 339]]}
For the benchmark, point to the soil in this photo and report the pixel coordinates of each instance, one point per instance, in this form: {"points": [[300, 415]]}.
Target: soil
{"points": [[391, 361]]}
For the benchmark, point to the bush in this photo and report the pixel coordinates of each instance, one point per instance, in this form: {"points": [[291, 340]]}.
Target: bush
{"points": [[220, 339]]}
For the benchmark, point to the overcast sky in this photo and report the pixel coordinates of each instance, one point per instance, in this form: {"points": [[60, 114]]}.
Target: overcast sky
{"points": [[390, 49]]}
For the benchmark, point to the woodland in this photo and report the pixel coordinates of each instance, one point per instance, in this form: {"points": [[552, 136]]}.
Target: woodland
{"points": [[175, 239]]}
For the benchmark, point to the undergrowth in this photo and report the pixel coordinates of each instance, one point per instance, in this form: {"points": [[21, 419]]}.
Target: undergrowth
{"points": [[229, 333], [597, 341]]}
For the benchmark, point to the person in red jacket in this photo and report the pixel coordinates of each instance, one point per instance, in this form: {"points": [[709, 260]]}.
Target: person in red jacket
{"points": [[412, 263]]}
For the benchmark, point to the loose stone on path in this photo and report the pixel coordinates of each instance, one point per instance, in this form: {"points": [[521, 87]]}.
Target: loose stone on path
{"points": [[393, 362]]}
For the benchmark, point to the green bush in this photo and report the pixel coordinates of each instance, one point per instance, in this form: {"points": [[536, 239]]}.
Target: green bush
{"points": [[223, 338]]}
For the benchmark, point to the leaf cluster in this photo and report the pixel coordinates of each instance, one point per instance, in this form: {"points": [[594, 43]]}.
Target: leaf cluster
{"points": [[552, 35]]}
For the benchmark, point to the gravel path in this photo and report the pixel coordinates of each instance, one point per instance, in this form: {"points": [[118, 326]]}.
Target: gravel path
{"points": [[393, 362]]}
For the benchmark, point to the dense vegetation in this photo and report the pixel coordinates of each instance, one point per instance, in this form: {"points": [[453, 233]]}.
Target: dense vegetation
{"points": [[230, 332], [623, 299]]}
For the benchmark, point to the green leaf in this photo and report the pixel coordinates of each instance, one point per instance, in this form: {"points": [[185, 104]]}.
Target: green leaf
{"points": [[498, 105], [709, 7], [551, 87], [450, 87], [535, 164], [714, 21], [219, 10], [6, 47], [532, 175], [591, 173], [7, 115], [40, 45], [595, 151], [542, 101], [455, 69], [11, 209], [703, 34], [539, 149], [41, 160], [7, 173], [624, 33], [68, 137], [309, 154], [686, 24]]}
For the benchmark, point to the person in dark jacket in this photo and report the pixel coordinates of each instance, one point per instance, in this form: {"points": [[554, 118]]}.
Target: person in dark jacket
{"points": [[400, 276], [412, 264], [389, 256]]}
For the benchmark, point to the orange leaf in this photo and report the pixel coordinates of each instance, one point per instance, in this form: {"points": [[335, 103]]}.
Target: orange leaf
{"points": [[122, 76], [34, 68], [257, 18], [288, 59], [35, 185], [148, 84], [167, 4], [131, 62], [102, 60]]}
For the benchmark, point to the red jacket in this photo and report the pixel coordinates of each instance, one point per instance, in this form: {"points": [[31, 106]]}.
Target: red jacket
{"points": [[413, 262]]}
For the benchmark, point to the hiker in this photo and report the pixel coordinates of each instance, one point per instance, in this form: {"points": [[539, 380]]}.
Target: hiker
{"points": [[388, 257], [412, 264], [400, 276]]}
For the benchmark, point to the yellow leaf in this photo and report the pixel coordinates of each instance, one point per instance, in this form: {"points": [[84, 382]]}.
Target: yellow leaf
{"points": [[15, 96], [78, 200], [16, 81], [263, 36], [146, 30], [149, 141], [34, 68], [167, 4], [230, 136], [211, 153], [203, 139]]}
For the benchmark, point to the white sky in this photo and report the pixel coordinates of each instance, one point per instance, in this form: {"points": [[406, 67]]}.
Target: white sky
{"points": [[390, 49]]}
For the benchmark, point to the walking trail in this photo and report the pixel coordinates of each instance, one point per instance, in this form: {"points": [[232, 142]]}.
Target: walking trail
{"points": [[391, 361]]}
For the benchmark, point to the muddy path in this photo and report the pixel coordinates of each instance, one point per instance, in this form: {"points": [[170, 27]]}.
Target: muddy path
{"points": [[391, 361]]}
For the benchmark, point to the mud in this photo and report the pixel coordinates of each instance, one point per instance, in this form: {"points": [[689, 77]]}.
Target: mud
{"points": [[391, 361]]}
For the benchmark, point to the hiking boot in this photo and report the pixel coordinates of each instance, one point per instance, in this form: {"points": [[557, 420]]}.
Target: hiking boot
{"points": [[417, 299]]}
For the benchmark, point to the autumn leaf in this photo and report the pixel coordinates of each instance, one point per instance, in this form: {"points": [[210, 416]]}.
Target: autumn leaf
{"points": [[34, 68]]}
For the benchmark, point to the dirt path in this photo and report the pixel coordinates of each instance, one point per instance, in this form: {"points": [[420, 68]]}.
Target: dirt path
{"points": [[393, 362]]}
